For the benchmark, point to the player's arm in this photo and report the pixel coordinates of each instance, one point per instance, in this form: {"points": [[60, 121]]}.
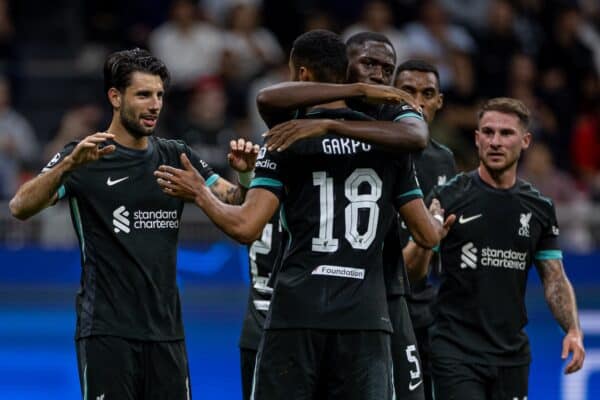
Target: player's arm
{"points": [[418, 252], [241, 157], [560, 297], [243, 223], [279, 102], [407, 134], [42, 191]]}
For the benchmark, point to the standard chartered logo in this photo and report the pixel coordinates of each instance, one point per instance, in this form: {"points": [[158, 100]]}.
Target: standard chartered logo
{"points": [[144, 219], [468, 256], [121, 220], [488, 257]]}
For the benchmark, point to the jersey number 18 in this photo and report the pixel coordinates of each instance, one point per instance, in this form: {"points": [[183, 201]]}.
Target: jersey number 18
{"points": [[325, 242]]}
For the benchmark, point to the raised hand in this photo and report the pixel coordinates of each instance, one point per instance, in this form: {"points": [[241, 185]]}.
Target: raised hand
{"points": [[242, 155], [88, 149], [282, 136], [435, 208]]}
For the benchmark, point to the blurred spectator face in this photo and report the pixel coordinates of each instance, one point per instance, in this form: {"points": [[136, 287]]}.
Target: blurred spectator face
{"points": [[377, 15], [4, 94], [432, 14], [244, 18], [208, 104], [140, 104], [373, 63], [423, 86], [539, 161], [501, 17], [522, 70], [500, 138], [318, 20], [567, 23], [183, 12]]}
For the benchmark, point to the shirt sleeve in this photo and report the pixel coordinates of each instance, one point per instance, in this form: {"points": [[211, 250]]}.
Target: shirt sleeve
{"points": [[547, 247], [57, 159], [398, 112], [269, 171], [407, 185], [210, 176]]}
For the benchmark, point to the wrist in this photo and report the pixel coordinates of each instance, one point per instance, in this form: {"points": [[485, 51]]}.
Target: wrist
{"points": [[68, 164], [245, 178], [360, 89]]}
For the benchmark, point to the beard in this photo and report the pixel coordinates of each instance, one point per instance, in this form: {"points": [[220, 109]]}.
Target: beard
{"points": [[132, 124]]}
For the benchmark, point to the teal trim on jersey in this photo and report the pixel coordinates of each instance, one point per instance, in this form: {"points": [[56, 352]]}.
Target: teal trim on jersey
{"points": [[85, 387], [543, 198], [417, 192], [62, 191], [453, 179], [409, 114], [284, 223], [265, 182], [435, 249], [548, 255], [78, 227], [212, 179]]}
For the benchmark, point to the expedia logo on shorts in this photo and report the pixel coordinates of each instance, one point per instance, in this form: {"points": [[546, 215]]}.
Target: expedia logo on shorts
{"points": [[142, 219]]}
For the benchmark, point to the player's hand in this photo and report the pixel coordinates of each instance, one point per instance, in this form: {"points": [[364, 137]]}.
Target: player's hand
{"points": [[436, 210], [573, 344], [242, 155], [388, 95], [186, 183], [282, 136], [89, 148]]}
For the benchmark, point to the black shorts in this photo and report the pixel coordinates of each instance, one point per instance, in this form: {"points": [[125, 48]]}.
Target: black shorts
{"points": [[122, 369], [454, 380], [312, 364], [247, 363], [424, 345], [408, 378]]}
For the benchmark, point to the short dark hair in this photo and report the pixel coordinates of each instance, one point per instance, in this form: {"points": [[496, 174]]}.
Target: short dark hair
{"points": [[418, 65], [120, 65], [360, 38], [324, 53], [506, 105]]}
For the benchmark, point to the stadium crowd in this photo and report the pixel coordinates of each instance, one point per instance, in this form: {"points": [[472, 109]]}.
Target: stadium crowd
{"points": [[221, 53]]}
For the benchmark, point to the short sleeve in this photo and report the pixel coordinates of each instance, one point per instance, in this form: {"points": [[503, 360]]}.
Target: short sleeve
{"points": [[407, 185], [269, 171], [57, 159], [547, 247], [397, 113], [202, 166]]}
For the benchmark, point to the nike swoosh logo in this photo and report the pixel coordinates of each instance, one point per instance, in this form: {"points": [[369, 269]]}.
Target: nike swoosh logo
{"points": [[462, 220], [412, 387], [110, 182]]}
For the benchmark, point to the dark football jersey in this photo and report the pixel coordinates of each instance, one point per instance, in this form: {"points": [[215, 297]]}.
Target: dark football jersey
{"points": [[337, 202], [263, 255], [435, 166], [480, 307], [396, 279], [127, 229]]}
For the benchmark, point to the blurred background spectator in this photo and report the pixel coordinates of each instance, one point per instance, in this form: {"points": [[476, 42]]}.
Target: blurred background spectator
{"points": [[220, 53]]}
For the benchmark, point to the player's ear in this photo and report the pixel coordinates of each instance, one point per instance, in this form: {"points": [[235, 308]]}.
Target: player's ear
{"points": [[305, 75], [526, 140], [440, 101], [114, 96]]}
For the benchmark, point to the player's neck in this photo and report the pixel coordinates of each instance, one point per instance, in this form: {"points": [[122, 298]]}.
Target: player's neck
{"points": [[125, 138], [332, 105], [498, 179]]}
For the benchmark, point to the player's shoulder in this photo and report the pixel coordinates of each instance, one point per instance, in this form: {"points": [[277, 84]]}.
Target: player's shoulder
{"points": [[337, 113], [441, 150], [458, 183], [530, 193]]}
